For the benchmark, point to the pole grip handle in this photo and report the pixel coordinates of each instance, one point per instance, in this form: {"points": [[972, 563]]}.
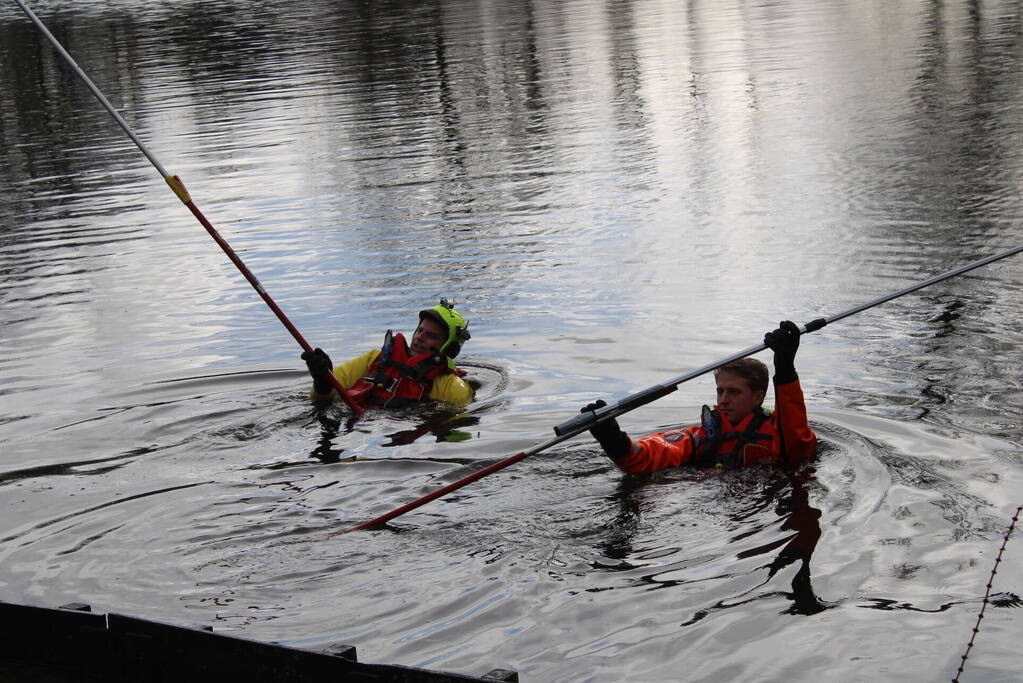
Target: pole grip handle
{"points": [[585, 421], [815, 325]]}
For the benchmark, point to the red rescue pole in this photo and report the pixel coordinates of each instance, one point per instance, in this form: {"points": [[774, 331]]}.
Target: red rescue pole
{"points": [[179, 189], [443, 491]]}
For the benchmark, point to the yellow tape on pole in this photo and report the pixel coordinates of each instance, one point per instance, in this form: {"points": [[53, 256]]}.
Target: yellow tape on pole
{"points": [[179, 188]]}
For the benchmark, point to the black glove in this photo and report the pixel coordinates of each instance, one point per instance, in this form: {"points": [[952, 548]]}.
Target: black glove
{"points": [[319, 366], [608, 434], [784, 341]]}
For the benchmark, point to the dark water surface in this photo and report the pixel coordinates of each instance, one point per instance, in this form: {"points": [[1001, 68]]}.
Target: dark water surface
{"points": [[614, 193]]}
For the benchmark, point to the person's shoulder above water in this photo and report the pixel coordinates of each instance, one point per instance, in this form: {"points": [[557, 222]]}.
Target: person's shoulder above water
{"points": [[452, 389]]}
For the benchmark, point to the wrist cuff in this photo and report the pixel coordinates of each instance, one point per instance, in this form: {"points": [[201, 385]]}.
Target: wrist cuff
{"points": [[618, 446], [785, 377]]}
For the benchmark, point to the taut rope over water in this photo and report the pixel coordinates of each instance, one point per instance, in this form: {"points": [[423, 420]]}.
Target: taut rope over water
{"points": [[987, 593], [178, 187]]}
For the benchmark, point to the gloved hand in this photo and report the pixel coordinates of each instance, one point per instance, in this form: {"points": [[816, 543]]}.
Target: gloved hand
{"points": [[784, 341], [320, 366], [608, 434]]}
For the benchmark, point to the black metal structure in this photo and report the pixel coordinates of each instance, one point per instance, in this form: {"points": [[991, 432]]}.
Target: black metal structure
{"points": [[47, 645]]}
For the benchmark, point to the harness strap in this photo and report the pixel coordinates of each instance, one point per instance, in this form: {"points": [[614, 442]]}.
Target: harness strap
{"points": [[708, 453], [383, 383]]}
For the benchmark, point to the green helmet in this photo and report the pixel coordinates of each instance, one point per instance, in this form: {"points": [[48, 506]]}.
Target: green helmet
{"points": [[448, 318]]}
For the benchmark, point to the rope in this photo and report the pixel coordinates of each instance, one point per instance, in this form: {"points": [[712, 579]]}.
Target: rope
{"points": [[987, 594]]}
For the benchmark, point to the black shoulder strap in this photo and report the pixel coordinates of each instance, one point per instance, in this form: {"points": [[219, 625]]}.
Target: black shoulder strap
{"points": [[708, 453], [752, 432]]}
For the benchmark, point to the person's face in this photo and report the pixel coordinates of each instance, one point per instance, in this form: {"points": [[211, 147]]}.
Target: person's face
{"points": [[429, 336], [736, 399]]}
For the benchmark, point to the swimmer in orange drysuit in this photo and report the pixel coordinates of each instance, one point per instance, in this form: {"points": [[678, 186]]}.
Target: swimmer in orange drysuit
{"points": [[738, 431]]}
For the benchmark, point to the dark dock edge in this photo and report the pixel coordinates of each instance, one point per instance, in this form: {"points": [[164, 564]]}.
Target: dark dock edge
{"points": [[71, 643]]}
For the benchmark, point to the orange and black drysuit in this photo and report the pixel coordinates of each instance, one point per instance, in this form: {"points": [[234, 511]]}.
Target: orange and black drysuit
{"points": [[389, 376], [783, 435]]}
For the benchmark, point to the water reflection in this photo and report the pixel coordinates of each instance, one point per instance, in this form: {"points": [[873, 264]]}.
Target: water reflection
{"points": [[619, 192], [786, 492], [442, 424], [330, 427], [803, 520]]}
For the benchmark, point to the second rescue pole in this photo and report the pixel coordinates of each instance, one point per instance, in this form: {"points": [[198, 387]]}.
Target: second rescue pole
{"points": [[179, 189], [566, 430]]}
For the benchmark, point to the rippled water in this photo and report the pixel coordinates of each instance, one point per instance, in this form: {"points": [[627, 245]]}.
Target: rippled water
{"points": [[614, 193]]}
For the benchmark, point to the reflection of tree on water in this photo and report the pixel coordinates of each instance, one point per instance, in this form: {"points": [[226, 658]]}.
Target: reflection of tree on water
{"points": [[442, 424]]}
